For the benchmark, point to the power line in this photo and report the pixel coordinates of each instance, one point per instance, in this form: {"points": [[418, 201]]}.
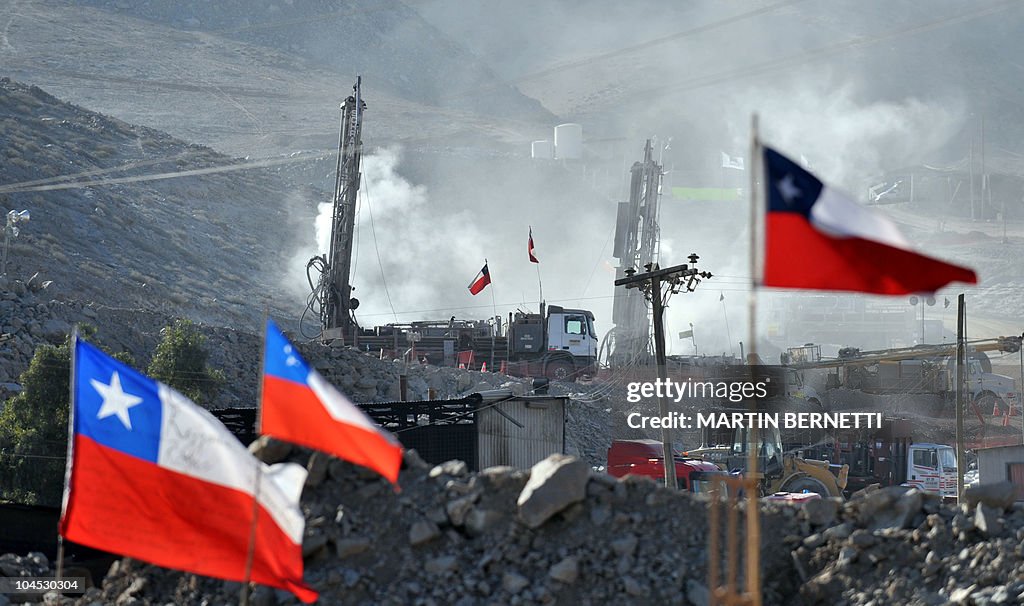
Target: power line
{"points": [[700, 29], [293, 158], [819, 53]]}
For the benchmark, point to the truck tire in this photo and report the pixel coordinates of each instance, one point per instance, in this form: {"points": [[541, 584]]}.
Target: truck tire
{"points": [[806, 483], [559, 370]]}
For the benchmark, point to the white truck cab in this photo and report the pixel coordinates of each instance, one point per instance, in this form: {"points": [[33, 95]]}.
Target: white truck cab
{"points": [[932, 468]]}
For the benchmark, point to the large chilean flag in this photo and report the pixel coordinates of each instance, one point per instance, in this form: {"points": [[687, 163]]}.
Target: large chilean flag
{"points": [[817, 238], [154, 477], [299, 406]]}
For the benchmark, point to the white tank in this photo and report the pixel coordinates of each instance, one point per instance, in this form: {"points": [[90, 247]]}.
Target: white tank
{"points": [[568, 141], [542, 150]]}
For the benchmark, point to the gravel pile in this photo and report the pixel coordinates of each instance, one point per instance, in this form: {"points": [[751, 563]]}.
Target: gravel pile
{"points": [[901, 546], [562, 533], [559, 533]]}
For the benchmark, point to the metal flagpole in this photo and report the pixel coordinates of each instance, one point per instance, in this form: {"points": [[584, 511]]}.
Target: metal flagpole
{"points": [[495, 307], [540, 286], [728, 333]]}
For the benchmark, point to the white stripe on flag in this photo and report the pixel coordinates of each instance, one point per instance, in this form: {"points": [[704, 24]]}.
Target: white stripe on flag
{"points": [[838, 215]]}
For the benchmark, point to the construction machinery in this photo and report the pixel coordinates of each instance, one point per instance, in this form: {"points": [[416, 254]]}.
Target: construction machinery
{"points": [[332, 294], [924, 369], [778, 470], [636, 245], [890, 456], [558, 343]]}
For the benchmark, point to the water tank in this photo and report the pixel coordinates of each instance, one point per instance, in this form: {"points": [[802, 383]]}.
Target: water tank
{"points": [[568, 141], [542, 150]]}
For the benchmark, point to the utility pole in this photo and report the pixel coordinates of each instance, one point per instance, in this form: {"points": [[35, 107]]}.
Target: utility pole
{"points": [[651, 283]]}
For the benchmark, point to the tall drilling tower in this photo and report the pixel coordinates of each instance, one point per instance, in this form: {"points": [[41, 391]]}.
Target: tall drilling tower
{"points": [[334, 292], [636, 246]]}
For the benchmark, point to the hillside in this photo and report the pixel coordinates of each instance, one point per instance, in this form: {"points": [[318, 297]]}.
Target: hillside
{"points": [[244, 86], [211, 247]]}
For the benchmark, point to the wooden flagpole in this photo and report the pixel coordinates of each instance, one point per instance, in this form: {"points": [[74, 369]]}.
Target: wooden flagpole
{"points": [[73, 341], [243, 598], [753, 572]]}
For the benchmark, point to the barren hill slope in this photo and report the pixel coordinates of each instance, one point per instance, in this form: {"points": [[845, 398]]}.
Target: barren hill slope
{"points": [[210, 247]]}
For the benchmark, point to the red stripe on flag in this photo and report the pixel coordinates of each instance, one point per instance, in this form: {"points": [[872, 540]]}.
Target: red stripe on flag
{"points": [[293, 413], [483, 280], [799, 256], [125, 505]]}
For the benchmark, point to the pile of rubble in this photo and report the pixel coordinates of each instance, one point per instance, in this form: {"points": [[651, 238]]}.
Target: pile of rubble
{"points": [[557, 533], [902, 546], [562, 533]]}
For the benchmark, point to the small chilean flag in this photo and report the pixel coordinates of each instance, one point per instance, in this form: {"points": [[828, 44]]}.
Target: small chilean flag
{"points": [[482, 279], [299, 406], [817, 238], [533, 257], [154, 477]]}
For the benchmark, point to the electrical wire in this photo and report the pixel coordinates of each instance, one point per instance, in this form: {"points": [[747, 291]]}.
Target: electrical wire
{"points": [[380, 263]]}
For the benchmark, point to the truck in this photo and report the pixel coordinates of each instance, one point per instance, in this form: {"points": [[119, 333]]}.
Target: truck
{"points": [[924, 369], [559, 343], [889, 456], [646, 458]]}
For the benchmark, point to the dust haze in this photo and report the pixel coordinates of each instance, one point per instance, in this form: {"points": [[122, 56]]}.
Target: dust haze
{"points": [[456, 94]]}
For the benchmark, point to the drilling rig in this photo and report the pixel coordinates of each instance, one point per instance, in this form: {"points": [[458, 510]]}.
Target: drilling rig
{"points": [[636, 245], [333, 292]]}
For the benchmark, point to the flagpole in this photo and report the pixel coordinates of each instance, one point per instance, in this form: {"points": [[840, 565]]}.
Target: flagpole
{"points": [[495, 307], [753, 521], [540, 286], [69, 461], [728, 333], [243, 598]]}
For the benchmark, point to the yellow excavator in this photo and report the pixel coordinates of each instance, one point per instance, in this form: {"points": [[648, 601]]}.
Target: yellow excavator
{"points": [[777, 470]]}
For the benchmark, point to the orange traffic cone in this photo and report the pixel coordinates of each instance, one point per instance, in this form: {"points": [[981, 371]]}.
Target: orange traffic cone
{"points": [[483, 367], [1013, 411], [1006, 419], [995, 410]]}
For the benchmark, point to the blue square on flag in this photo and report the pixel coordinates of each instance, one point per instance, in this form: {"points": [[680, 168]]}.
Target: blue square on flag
{"points": [[117, 406]]}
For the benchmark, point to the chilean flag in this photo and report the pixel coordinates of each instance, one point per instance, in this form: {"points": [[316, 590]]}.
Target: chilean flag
{"points": [[529, 249], [299, 406], [817, 238], [154, 477], [482, 279]]}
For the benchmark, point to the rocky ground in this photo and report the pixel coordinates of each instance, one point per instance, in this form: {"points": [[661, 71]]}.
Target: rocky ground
{"points": [[564, 534]]}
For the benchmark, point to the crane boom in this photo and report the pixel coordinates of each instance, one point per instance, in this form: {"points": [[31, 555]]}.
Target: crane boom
{"points": [[855, 357]]}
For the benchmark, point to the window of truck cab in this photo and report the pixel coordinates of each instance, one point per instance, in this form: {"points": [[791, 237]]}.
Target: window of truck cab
{"points": [[575, 325]]}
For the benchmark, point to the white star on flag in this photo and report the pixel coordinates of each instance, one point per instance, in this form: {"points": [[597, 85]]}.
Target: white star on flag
{"points": [[788, 189], [290, 360], [115, 400]]}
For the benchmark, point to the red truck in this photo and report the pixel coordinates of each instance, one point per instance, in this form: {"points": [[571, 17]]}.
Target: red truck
{"points": [[644, 458]]}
